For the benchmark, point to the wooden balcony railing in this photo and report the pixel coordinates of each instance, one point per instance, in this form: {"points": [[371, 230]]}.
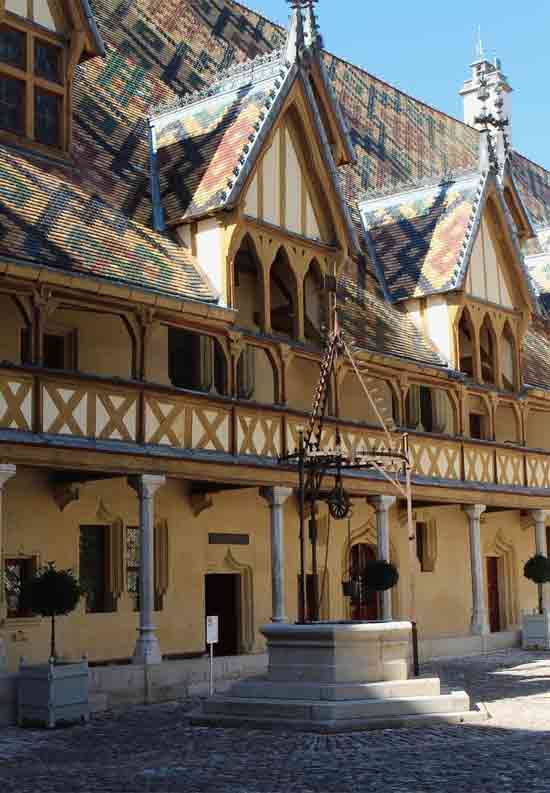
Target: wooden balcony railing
{"points": [[104, 410]]}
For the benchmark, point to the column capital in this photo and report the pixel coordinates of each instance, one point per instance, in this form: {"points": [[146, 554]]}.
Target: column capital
{"points": [[539, 515], [7, 471], [146, 485], [381, 503], [474, 511], [275, 496]]}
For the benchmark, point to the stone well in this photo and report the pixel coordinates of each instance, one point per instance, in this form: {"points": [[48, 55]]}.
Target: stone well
{"points": [[336, 677]]}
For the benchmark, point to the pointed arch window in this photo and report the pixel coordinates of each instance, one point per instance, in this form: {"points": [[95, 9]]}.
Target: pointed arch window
{"points": [[284, 298], [487, 350], [508, 362], [314, 304], [249, 292], [466, 344]]}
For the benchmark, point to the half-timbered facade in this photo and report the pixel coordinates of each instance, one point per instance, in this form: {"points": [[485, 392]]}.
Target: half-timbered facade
{"points": [[168, 227]]}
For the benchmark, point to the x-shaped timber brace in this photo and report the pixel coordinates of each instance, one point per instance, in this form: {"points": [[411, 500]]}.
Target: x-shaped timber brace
{"points": [[315, 463]]}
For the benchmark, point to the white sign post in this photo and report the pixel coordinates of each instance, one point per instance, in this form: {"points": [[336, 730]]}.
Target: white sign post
{"points": [[212, 638]]}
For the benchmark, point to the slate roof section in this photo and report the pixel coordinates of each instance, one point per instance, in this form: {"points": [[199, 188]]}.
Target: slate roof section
{"points": [[378, 326], [419, 239], [533, 182], [536, 352]]}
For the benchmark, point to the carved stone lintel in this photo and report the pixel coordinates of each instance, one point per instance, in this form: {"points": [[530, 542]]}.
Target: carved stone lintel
{"points": [[65, 493], [200, 502]]}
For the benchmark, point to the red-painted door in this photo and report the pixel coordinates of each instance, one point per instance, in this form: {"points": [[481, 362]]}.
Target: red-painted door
{"points": [[365, 605], [493, 594]]}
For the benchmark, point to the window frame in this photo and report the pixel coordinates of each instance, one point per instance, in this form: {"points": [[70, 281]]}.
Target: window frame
{"points": [[31, 82], [31, 562]]}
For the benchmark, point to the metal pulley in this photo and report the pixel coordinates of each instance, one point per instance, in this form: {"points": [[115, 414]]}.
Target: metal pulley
{"points": [[339, 503]]}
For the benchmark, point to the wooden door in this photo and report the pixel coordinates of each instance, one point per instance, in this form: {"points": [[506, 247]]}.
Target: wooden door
{"points": [[493, 598], [222, 601], [365, 605]]}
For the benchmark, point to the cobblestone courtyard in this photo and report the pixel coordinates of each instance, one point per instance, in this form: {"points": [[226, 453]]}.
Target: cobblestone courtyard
{"points": [[155, 749]]}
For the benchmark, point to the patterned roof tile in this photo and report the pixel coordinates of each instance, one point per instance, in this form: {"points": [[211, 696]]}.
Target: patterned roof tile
{"points": [[417, 239]]}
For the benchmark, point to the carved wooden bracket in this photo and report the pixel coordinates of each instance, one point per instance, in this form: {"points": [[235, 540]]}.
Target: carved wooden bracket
{"points": [[64, 493], [200, 502]]}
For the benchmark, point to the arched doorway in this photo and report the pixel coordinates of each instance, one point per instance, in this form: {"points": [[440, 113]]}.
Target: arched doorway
{"points": [[364, 602]]}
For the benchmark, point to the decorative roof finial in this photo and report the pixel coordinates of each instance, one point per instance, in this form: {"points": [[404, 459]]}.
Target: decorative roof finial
{"points": [[303, 32], [480, 52], [312, 34]]}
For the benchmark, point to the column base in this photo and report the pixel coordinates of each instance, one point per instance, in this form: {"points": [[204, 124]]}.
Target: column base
{"points": [[479, 629], [147, 650]]}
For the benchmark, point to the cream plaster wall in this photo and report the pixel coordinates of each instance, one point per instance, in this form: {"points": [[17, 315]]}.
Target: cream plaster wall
{"points": [[210, 247], [301, 382], [439, 325], [506, 425], [247, 299], [355, 405], [486, 279], [104, 344], [538, 429], [34, 525], [11, 325]]}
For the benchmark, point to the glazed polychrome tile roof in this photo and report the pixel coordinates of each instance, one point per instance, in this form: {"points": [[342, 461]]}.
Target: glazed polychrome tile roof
{"points": [[201, 144], [156, 53], [417, 239]]}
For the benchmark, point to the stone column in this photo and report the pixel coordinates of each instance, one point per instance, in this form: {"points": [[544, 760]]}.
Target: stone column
{"points": [[276, 498], [480, 622], [6, 473], [147, 647], [382, 505], [539, 516]]}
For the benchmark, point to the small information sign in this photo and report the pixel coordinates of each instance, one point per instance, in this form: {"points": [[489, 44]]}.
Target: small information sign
{"points": [[212, 635], [212, 638]]}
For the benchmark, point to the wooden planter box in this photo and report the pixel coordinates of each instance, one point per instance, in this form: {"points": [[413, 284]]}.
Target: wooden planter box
{"points": [[535, 633], [51, 693]]}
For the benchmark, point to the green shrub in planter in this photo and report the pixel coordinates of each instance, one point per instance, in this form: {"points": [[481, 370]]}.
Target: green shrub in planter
{"points": [[537, 569], [51, 593], [381, 575]]}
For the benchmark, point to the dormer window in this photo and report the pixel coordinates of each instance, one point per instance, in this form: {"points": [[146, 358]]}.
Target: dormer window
{"points": [[33, 94]]}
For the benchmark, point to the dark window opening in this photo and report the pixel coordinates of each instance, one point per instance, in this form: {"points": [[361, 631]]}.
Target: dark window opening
{"points": [[54, 351], [94, 561], [477, 426], [421, 530], [47, 117], [13, 47], [26, 345], [196, 362], [47, 61], [17, 572], [12, 105], [466, 346]]}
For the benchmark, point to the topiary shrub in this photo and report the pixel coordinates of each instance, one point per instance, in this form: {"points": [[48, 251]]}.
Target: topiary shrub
{"points": [[381, 575], [51, 593], [537, 569]]}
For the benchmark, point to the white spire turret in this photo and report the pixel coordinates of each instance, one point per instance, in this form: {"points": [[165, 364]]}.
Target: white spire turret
{"points": [[487, 78]]}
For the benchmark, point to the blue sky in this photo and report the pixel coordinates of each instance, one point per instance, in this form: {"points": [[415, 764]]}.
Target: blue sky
{"points": [[425, 48]]}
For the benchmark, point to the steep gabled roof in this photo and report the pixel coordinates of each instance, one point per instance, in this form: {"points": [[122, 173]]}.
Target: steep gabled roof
{"points": [[419, 239], [203, 141]]}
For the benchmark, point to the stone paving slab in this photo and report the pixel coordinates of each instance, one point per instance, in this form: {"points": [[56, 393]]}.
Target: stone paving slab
{"points": [[156, 749]]}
